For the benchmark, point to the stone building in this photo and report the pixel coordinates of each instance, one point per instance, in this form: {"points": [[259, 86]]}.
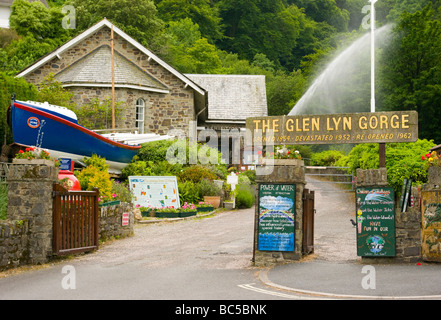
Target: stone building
{"points": [[156, 97]]}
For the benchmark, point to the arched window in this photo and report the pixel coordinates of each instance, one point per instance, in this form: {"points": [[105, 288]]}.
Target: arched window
{"points": [[140, 110]]}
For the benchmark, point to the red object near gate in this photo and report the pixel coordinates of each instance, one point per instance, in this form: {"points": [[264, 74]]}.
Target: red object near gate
{"points": [[72, 182]]}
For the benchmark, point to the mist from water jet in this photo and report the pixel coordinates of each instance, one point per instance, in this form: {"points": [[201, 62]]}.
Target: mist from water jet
{"points": [[344, 86]]}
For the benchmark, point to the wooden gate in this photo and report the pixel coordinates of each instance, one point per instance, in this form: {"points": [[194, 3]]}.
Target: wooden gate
{"points": [[308, 221], [75, 221]]}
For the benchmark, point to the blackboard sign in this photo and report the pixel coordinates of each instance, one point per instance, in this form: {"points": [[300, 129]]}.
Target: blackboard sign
{"points": [[276, 217], [375, 222]]}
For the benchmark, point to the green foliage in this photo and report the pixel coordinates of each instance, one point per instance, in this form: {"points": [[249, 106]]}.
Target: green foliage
{"points": [[251, 175], [39, 30], [201, 12], [23, 91], [326, 158], [154, 151], [197, 173], [403, 160], [137, 168], [121, 191], [189, 192], [363, 156], [3, 200], [96, 175], [97, 114], [50, 90], [245, 196], [138, 18], [413, 69], [33, 18], [208, 188]]}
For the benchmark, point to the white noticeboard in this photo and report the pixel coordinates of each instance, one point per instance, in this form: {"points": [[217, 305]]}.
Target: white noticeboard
{"points": [[158, 192]]}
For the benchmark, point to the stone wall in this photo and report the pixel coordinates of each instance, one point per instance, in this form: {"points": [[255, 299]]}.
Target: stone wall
{"points": [[14, 241], [26, 236], [110, 222], [289, 172], [30, 184]]}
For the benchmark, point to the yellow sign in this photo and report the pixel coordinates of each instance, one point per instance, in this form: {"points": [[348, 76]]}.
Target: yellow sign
{"points": [[378, 127]]}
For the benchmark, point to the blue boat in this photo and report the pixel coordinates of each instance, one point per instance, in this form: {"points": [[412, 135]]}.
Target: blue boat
{"points": [[56, 130]]}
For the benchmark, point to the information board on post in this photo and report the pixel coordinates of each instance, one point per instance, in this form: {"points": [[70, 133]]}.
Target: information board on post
{"points": [[375, 222], [276, 217], [155, 191]]}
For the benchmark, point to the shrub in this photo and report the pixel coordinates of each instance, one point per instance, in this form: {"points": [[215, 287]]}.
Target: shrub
{"points": [[243, 179], [189, 192], [326, 158], [251, 175], [245, 196], [121, 191], [155, 151], [137, 168], [197, 173], [96, 175], [208, 188], [403, 160]]}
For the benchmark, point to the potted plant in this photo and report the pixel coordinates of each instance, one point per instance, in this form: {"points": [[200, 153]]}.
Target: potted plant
{"points": [[210, 192], [282, 156], [36, 155]]}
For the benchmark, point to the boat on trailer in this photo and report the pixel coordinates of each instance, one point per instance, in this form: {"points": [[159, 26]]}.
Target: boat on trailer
{"points": [[56, 129]]}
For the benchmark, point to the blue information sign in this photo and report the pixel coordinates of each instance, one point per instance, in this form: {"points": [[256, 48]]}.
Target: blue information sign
{"points": [[276, 217]]}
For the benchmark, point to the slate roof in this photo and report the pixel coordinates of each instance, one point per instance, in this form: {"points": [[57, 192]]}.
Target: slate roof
{"points": [[233, 97], [102, 24], [96, 68]]}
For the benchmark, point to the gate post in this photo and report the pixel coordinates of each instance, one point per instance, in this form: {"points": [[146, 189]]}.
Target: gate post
{"points": [[30, 184], [281, 174]]}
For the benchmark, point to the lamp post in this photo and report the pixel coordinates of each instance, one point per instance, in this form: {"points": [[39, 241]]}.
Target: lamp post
{"points": [[373, 55], [381, 146]]}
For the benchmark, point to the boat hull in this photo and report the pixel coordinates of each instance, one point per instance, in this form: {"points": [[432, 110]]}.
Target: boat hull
{"points": [[34, 127]]}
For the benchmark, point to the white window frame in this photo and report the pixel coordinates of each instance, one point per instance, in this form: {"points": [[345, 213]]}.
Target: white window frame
{"points": [[140, 115]]}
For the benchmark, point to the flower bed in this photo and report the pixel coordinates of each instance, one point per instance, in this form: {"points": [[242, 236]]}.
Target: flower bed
{"points": [[204, 207], [187, 210]]}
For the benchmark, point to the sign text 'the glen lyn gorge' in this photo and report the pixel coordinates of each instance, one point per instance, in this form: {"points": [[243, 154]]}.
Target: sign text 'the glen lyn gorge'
{"points": [[378, 127]]}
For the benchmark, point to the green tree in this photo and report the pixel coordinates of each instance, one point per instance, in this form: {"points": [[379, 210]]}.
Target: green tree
{"points": [[39, 31], [188, 51], [283, 90], [264, 26], [33, 18], [138, 18], [201, 12], [51, 91], [411, 76], [22, 91], [326, 11]]}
